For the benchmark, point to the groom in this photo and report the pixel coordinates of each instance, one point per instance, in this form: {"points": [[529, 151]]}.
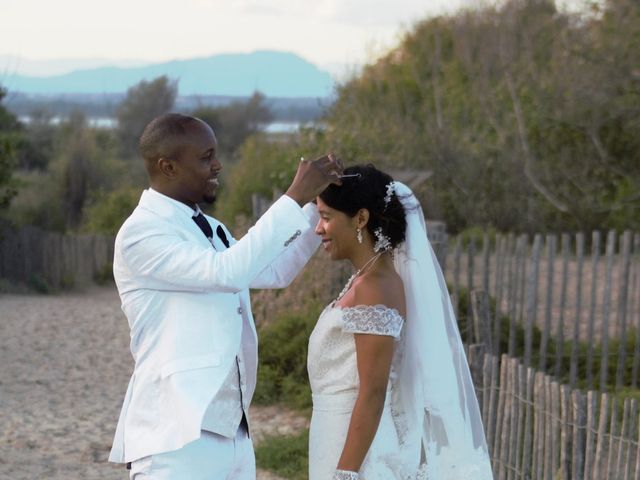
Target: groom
{"points": [[184, 285]]}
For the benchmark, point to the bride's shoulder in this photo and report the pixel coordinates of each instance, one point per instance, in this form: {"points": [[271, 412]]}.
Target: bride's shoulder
{"points": [[380, 291]]}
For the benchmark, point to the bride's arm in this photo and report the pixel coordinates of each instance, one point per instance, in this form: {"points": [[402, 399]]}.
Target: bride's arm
{"points": [[374, 354]]}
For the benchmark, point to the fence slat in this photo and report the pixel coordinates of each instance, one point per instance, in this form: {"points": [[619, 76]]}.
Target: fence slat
{"points": [[613, 433], [573, 373], [565, 432], [532, 299], [578, 443], [606, 310], [595, 257], [590, 463], [566, 245], [548, 306], [623, 290], [529, 434], [599, 463]]}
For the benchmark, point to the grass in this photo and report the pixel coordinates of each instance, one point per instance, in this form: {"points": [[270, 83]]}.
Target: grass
{"points": [[286, 456]]}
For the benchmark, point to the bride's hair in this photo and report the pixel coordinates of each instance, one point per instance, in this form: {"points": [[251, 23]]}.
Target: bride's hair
{"points": [[368, 190]]}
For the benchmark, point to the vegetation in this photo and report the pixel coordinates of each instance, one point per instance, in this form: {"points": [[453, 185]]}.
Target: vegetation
{"points": [[9, 128], [287, 456]]}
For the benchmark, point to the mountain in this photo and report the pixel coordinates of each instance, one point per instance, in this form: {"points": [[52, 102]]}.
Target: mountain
{"points": [[276, 74]]}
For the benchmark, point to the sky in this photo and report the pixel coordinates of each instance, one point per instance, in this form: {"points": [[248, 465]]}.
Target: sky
{"points": [[332, 34]]}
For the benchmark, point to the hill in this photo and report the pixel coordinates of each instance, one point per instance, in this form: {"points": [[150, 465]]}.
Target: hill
{"points": [[276, 74]]}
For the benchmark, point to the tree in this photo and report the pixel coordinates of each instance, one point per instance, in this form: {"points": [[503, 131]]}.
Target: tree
{"points": [[236, 122], [526, 115], [143, 103], [9, 126]]}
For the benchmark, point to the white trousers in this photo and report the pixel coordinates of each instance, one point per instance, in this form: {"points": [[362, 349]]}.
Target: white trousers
{"points": [[211, 457]]}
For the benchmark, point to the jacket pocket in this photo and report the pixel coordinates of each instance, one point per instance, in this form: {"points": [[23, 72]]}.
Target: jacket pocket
{"points": [[189, 363]]}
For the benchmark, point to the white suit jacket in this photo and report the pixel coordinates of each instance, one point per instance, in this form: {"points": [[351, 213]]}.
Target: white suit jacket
{"points": [[186, 304]]}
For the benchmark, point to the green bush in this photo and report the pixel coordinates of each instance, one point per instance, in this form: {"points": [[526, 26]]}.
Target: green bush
{"points": [[282, 369], [109, 210], [286, 456]]}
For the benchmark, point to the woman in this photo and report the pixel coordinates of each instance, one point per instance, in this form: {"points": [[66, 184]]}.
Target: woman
{"points": [[392, 393]]}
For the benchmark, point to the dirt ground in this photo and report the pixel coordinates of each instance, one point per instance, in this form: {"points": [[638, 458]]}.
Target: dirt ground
{"points": [[65, 368]]}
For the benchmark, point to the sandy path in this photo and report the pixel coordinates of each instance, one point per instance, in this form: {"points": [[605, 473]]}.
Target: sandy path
{"points": [[65, 367]]}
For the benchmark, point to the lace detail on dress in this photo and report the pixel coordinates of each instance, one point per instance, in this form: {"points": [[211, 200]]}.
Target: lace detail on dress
{"points": [[372, 319]]}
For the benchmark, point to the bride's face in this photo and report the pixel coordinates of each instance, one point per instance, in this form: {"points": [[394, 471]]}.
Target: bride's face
{"points": [[337, 230]]}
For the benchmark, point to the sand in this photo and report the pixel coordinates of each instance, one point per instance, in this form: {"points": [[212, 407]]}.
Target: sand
{"points": [[65, 366]]}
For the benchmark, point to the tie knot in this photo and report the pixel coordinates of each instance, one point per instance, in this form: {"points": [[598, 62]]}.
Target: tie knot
{"points": [[204, 225]]}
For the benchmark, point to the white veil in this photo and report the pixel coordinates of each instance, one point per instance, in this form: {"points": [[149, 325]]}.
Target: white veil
{"points": [[435, 393]]}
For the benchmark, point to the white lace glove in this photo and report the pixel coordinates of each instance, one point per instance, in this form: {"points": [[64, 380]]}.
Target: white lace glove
{"points": [[345, 475]]}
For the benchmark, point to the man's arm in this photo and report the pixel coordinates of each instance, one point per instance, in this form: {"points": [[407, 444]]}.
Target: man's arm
{"points": [[150, 249], [286, 267]]}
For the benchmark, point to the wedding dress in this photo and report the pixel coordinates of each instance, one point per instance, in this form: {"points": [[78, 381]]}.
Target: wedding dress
{"points": [[430, 428]]}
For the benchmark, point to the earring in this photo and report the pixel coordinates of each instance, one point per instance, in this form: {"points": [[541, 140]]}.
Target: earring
{"points": [[359, 235]]}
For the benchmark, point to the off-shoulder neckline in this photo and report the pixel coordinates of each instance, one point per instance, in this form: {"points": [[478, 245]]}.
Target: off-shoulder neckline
{"points": [[334, 306]]}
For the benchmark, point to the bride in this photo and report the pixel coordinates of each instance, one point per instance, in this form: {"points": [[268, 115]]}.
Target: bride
{"points": [[392, 393]]}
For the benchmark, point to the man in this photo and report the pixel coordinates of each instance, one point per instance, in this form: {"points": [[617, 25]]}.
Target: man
{"points": [[185, 292]]}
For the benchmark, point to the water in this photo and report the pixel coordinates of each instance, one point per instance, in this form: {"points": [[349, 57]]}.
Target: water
{"points": [[111, 122]]}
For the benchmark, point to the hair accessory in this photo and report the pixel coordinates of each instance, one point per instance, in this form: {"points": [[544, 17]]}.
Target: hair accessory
{"points": [[350, 175], [390, 191], [359, 235], [383, 242]]}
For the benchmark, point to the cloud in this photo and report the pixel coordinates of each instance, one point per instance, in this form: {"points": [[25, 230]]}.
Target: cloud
{"points": [[350, 12]]}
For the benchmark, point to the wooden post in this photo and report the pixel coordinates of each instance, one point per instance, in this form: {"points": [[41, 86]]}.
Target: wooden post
{"points": [[634, 308], [565, 432], [521, 404], [486, 253], [520, 302], [481, 319], [591, 437], [493, 405], [548, 429], [538, 428], [599, 464], [551, 254], [606, 310], [513, 418], [566, 245], [595, 257], [532, 299], [501, 262], [613, 433], [579, 435], [513, 294], [555, 421], [471, 261], [456, 275], [573, 374], [623, 442], [502, 434], [623, 289], [529, 425]]}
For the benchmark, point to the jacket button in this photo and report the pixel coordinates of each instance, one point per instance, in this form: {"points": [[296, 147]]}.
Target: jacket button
{"points": [[239, 310]]}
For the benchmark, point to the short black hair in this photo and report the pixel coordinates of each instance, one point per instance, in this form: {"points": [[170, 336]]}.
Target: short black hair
{"points": [[163, 136], [368, 190]]}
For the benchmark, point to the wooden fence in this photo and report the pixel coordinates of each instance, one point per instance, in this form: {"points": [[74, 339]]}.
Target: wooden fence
{"points": [[571, 314], [537, 428], [46, 260]]}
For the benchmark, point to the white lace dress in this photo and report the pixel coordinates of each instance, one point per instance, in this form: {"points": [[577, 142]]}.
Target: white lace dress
{"points": [[333, 376]]}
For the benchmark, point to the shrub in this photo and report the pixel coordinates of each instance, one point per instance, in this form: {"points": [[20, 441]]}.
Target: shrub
{"points": [[286, 456]]}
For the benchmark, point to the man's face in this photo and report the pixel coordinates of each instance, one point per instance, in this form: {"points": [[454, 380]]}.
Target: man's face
{"points": [[197, 166]]}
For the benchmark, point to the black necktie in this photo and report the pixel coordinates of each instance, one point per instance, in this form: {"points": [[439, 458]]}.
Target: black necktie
{"points": [[204, 225], [222, 236]]}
